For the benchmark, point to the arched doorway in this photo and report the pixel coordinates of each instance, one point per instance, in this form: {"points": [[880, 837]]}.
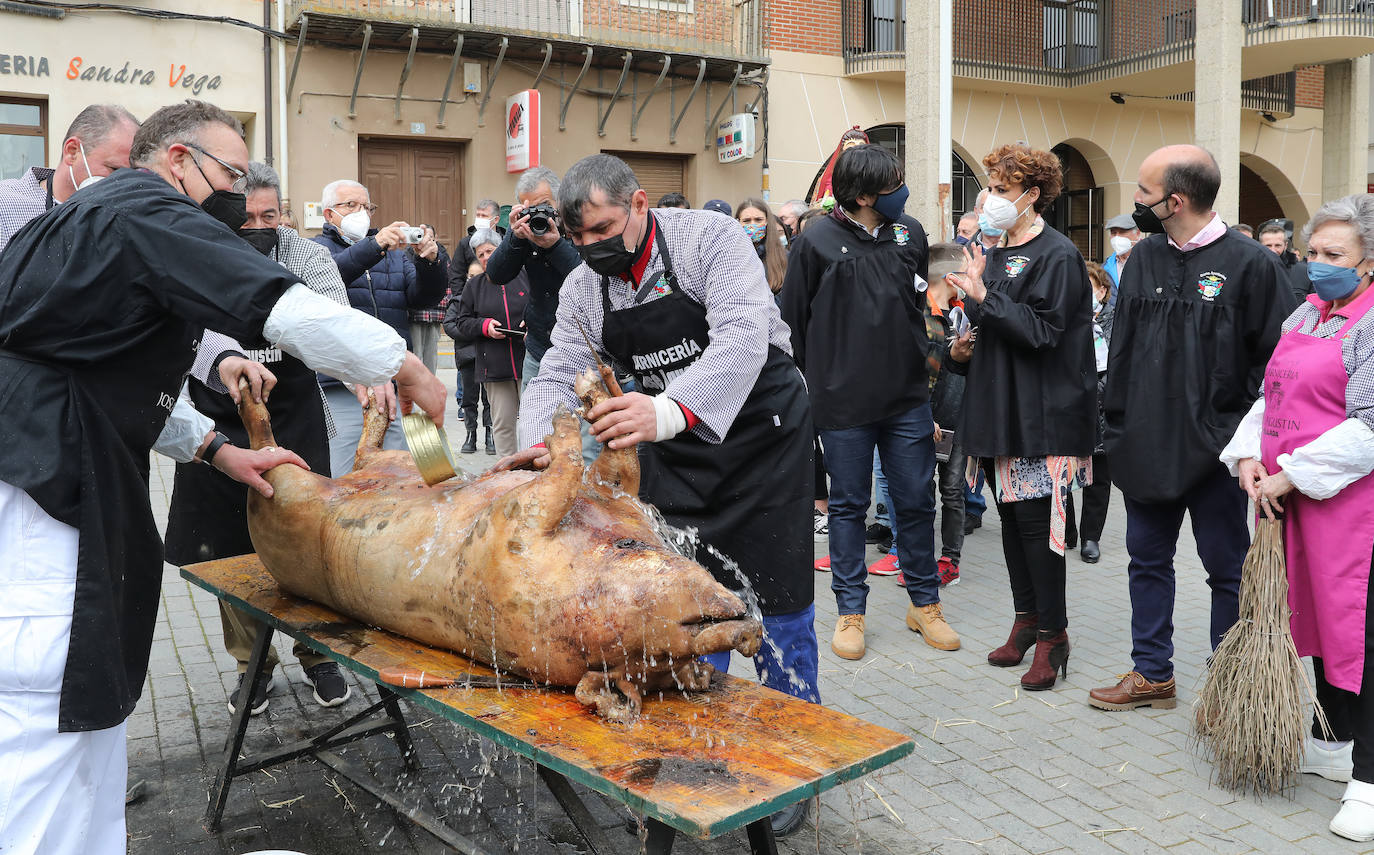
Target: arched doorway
{"points": [[1257, 200], [1077, 213]]}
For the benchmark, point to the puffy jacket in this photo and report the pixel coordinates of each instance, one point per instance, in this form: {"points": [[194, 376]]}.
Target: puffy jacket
{"points": [[386, 285], [498, 359]]}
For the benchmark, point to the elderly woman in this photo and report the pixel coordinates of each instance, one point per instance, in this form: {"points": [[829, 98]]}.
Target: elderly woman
{"points": [[1307, 449], [1032, 421], [492, 317]]}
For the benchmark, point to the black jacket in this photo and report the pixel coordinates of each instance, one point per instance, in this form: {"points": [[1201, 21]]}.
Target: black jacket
{"points": [[1032, 389], [857, 319], [1192, 334], [546, 269], [498, 359], [1296, 269]]}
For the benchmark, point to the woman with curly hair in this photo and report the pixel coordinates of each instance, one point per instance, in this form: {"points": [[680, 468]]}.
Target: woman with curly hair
{"points": [[1032, 421]]}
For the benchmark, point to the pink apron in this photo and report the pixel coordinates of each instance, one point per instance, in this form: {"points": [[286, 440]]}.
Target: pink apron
{"points": [[1328, 543]]}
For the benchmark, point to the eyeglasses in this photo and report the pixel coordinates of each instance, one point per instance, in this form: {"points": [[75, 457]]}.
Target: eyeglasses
{"points": [[240, 177], [354, 206]]}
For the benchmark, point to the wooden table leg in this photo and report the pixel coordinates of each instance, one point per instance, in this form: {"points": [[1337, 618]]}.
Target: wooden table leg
{"points": [[238, 726], [761, 840], [660, 837], [402, 733]]}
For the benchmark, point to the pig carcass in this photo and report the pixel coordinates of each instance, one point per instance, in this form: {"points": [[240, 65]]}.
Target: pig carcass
{"points": [[560, 576]]}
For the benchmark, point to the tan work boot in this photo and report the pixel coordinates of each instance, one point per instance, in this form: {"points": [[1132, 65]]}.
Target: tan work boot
{"points": [[929, 621], [848, 642]]}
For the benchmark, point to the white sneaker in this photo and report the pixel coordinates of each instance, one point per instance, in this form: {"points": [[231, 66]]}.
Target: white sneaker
{"points": [[1332, 764], [1356, 818], [820, 526]]}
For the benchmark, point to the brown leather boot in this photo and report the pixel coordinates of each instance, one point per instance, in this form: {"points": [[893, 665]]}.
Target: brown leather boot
{"points": [[1051, 657], [1134, 691], [1021, 638]]}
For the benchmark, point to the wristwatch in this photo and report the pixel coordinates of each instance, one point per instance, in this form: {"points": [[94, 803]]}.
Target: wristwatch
{"points": [[213, 448]]}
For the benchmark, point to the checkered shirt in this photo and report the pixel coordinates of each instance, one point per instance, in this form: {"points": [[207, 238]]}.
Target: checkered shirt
{"points": [[1357, 353], [22, 199], [717, 266]]}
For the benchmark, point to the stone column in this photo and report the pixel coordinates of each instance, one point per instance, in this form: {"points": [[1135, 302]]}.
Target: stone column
{"points": [[1216, 89], [923, 114], [1345, 128]]}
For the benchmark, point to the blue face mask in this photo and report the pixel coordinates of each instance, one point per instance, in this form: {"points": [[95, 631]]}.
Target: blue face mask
{"points": [[892, 205], [1332, 282], [986, 227], [961, 240]]}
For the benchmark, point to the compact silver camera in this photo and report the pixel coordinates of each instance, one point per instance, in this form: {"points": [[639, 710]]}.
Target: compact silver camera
{"points": [[412, 234]]}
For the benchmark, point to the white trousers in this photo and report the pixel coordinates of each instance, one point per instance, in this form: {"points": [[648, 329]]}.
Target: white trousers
{"points": [[60, 793]]}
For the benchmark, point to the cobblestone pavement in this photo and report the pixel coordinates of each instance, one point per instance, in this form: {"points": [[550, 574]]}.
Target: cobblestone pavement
{"points": [[995, 770]]}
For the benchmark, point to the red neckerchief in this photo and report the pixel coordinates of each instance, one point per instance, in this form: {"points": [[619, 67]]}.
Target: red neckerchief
{"points": [[636, 272]]}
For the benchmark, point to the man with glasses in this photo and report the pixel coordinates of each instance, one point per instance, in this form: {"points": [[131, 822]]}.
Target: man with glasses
{"points": [[386, 282], [102, 301]]}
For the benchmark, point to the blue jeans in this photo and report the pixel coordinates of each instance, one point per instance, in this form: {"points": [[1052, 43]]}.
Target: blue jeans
{"points": [[1218, 508], [974, 503], [907, 445], [788, 661]]}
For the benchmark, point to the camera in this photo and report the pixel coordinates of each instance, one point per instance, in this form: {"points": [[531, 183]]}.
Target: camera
{"points": [[542, 218], [412, 234]]}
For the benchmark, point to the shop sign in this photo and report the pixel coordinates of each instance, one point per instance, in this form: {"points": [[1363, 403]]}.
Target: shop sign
{"points": [[735, 138], [522, 130], [129, 74]]}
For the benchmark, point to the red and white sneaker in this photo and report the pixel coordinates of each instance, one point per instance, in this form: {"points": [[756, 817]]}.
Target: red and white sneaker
{"points": [[822, 564], [885, 566], [949, 572]]}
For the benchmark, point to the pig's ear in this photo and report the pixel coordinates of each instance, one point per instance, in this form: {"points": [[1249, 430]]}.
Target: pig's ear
{"points": [[541, 504]]}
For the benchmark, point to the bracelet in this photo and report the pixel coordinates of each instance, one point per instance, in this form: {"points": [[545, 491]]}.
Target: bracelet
{"points": [[213, 448]]}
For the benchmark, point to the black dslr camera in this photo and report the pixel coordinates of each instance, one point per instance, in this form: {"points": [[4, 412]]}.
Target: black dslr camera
{"points": [[542, 218]]}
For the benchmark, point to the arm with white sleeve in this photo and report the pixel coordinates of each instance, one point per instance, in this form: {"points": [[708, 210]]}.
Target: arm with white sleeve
{"points": [[1245, 443], [186, 430]]}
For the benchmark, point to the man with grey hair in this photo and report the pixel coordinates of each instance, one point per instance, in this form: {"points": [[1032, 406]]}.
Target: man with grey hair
{"points": [[102, 300], [384, 280], [485, 216], [790, 212], [536, 245], [96, 144], [678, 299], [207, 516]]}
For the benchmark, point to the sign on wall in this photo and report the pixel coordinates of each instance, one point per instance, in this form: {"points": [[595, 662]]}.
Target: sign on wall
{"points": [[735, 138], [522, 130]]}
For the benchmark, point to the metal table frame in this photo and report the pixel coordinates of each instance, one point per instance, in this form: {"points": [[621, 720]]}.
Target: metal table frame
{"points": [[385, 716]]}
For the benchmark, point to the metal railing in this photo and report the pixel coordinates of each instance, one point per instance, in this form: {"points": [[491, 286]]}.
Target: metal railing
{"points": [[1072, 42], [1275, 94], [1275, 20], [725, 28]]}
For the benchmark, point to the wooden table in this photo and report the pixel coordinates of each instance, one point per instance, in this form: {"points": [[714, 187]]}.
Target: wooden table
{"points": [[703, 764]]}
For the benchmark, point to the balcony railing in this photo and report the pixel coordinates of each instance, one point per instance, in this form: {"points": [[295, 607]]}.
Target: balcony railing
{"points": [[734, 29], [1075, 42], [1273, 20], [1275, 94]]}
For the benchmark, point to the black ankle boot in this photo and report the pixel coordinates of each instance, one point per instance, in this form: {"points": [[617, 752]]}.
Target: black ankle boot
{"points": [[470, 445], [491, 444]]}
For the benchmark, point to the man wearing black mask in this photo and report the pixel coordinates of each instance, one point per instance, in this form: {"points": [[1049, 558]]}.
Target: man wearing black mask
{"points": [[678, 299], [207, 519], [1198, 313]]}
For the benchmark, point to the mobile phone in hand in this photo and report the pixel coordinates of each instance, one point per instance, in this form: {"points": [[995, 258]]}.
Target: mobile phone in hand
{"points": [[504, 331]]}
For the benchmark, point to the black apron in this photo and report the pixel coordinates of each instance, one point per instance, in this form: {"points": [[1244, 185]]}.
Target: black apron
{"points": [[750, 497], [208, 515]]}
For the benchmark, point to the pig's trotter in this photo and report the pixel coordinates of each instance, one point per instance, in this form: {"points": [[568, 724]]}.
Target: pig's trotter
{"points": [[615, 698]]}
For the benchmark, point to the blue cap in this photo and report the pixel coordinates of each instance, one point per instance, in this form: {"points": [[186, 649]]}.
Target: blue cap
{"points": [[718, 205]]}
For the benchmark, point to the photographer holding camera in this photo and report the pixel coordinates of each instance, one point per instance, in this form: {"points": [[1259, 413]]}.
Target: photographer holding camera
{"points": [[383, 280], [536, 246]]}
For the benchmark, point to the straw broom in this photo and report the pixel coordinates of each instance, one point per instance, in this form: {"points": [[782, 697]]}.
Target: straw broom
{"points": [[1250, 717]]}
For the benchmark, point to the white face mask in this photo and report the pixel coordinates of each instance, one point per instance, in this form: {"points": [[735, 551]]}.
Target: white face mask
{"points": [[354, 226], [1001, 212], [89, 179], [1121, 245], [480, 223]]}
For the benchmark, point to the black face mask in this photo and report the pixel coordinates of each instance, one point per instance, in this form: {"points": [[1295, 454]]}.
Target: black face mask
{"points": [[263, 240], [228, 207], [609, 257], [1147, 220]]}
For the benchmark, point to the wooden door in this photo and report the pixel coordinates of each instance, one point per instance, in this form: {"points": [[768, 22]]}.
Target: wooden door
{"points": [[657, 173], [418, 182]]}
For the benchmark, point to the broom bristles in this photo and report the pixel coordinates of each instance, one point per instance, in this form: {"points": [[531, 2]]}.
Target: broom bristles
{"points": [[1250, 717]]}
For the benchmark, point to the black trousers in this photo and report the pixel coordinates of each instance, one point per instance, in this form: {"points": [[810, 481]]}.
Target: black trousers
{"points": [[1351, 716], [472, 392], [1037, 573], [1096, 497]]}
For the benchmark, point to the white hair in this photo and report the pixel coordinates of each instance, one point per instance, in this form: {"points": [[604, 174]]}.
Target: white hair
{"points": [[531, 178], [1356, 211], [482, 237], [329, 196], [795, 207]]}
